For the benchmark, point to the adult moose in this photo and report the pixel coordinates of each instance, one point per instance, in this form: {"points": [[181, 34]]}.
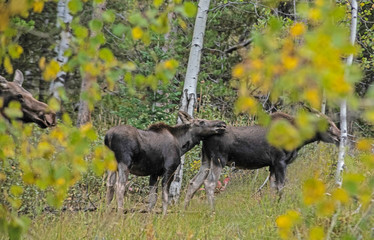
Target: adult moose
{"points": [[32, 109], [154, 152], [248, 148]]}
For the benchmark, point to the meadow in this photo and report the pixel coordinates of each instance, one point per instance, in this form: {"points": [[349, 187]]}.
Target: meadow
{"points": [[241, 212]]}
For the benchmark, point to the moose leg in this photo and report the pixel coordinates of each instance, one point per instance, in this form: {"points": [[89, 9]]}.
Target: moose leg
{"points": [[111, 181], [153, 183], [280, 175], [272, 178], [197, 181], [123, 174], [166, 182], [211, 181]]}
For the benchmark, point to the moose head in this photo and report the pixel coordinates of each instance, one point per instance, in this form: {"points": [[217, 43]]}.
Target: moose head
{"points": [[202, 127], [32, 109], [332, 133]]}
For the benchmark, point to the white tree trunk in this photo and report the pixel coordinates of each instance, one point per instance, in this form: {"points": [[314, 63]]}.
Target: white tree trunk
{"points": [[64, 16], [84, 112], [324, 102], [189, 89], [343, 105]]}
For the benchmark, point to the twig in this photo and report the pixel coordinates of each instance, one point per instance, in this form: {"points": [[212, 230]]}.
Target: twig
{"points": [[238, 46], [266, 180], [333, 222]]}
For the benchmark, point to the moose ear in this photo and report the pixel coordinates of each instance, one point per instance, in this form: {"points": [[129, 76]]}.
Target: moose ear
{"points": [[18, 77], [3, 82], [185, 117]]}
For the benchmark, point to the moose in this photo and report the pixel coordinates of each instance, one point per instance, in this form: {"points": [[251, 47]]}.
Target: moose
{"points": [[32, 109], [154, 152], [248, 148]]}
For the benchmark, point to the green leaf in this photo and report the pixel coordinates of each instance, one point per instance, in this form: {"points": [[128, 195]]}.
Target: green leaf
{"points": [[109, 16], [106, 54], [16, 190], [138, 19], [15, 51], [189, 9], [284, 135], [96, 25], [75, 6], [13, 110], [157, 3], [80, 32], [119, 29], [352, 182]]}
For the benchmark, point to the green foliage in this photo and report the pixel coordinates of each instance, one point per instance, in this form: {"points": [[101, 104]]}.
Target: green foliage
{"points": [[124, 49], [52, 162]]}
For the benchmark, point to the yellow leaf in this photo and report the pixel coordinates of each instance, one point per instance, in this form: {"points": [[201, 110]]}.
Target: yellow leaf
{"points": [[182, 23], [284, 221], [297, 29], [246, 104], [257, 64], [8, 65], [238, 71], [316, 233], [340, 195], [369, 115], [313, 97], [91, 68], [18, 6], [42, 63], [38, 6], [4, 20], [314, 14], [365, 144], [290, 62], [112, 165], [313, 191], [51, 70], [255, 78], [137, 33], [171, 64], [365, 199], [326, 207], [60, 181]]}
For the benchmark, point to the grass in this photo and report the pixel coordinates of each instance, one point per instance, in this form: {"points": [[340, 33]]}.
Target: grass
{"points": [[241, 213]]}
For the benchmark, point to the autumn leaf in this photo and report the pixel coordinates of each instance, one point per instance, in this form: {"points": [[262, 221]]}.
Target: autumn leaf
{"points": [[297, 29], [313, 191], [38, 6], [137, 33], [8, 65], [238, 71], [51, 70], [284, 135]]}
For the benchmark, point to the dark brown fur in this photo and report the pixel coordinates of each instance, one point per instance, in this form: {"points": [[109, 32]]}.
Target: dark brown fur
{"points": [[154, 152], [248, 148]]}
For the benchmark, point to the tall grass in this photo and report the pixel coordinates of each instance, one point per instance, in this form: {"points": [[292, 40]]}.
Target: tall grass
{"points": [[241, 211]]}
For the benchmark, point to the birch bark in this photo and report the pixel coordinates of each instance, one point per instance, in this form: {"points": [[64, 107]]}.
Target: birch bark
{"points": [[84, 113], [188, 98], [63, 15], [343, 105]]}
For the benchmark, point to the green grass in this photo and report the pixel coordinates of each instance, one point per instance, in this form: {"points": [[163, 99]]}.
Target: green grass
{"points": [[241, 213]]}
